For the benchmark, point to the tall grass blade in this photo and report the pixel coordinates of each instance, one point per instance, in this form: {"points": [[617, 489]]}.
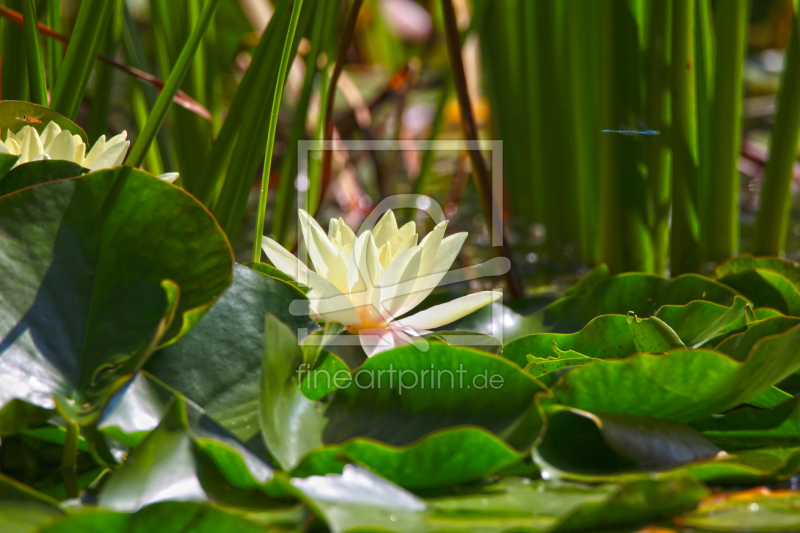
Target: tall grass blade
{"points": [[87, 36], [14, 61], [159, 112], [704, 83], [36, 77], [55, 49], [684, 236], [657, 153], [253, 90], [248, 152], [285, 205], [773, 215], [273, 124], [722, 229], [104, 77]]}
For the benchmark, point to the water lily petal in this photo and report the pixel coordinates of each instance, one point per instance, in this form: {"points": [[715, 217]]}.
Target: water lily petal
{"points": [[169, 177], [398, 281], [49, 134], [442, 260], [385, 228], [286, 262], [385, 254], [116, 139], [375, 341], [430, 244], [321, 250], [31, 146], [62, 147], [405, 245], [344, 234], [442, 314], [112, 157], [98, 148], [13, 146], [3, 149], [80, 150], [402, 234], [333, 224]]}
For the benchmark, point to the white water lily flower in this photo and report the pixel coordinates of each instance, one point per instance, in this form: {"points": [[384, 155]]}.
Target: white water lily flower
{"points": [[366, 282], [55, 143]]}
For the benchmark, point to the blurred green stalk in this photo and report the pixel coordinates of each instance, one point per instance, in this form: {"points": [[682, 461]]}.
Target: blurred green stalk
{"points": [[36, 77], [722, 228], [684, 237], [159, 112], [104, 77], [84, 43], [657, 153], [54, 47], [273, 124], [773, 215]]}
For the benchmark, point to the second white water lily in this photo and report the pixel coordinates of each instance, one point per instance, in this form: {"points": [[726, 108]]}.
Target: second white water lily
{"points": [[55, 143], [365, 282]]}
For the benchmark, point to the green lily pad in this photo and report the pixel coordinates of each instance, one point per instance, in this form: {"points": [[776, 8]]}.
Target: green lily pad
{"points": [[218, 364], [742, 263], [13, 113], [682, 385], [38, 172], [604, 337], [93, 264], [699, 322], [290, 423], [7, 161], [739, 346], [187, 460], [442, 458], [641, 294], [401, 395], [748, 428], [599, 444], [766, 288]]}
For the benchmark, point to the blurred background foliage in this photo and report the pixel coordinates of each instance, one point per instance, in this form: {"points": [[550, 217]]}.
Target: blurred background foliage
{"points": [[719, 80]]}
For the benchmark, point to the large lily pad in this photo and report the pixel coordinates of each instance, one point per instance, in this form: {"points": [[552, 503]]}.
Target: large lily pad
{"points": [[577, 441], [641, 294], [442, 458], [218, 364], [401, 395], [38, 172], [683, 385], [92, 264], [187, 460]]}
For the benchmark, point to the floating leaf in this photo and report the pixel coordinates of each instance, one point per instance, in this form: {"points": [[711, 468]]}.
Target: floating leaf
{"points": [[38, 172], [290, 423], [218, 364], [682, 385], [580, 442], [92, 266], [451, 386], [766, 288], [442, 458]]}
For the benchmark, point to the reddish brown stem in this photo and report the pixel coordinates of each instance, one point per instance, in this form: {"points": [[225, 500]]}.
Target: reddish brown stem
{"points": [[344, 45], [479, 169], [181, 98]]}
